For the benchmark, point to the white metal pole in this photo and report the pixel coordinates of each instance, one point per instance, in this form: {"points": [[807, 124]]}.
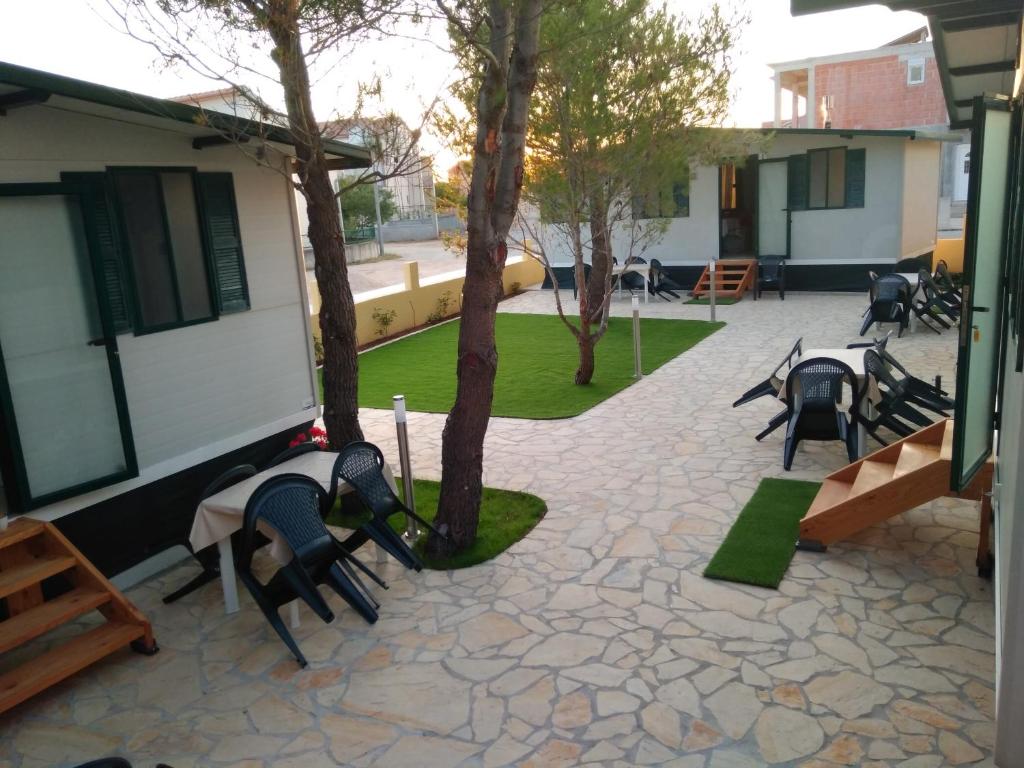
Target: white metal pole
{"points": [[411, 529], [711, 292], [380, 225], [637, 367]]}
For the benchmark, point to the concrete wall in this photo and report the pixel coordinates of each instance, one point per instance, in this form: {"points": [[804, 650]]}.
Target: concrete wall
{"points": [[417, 299], [952, 250], [202, 390], [922, 161], [404, 230]]}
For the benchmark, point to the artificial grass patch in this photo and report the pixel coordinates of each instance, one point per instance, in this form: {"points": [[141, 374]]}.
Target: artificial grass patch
{"points": [[761, 542], [537, 359], [505, 518], [718, 301]]}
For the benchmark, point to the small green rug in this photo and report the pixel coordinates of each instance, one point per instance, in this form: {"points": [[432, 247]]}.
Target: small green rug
{"points": [[718, 301], [761, 542]]}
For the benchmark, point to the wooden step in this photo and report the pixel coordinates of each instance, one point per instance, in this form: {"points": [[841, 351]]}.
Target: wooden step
{"points": [[63, 661], [832, 492], [38, 621], [22, 576], [914, 456], [19, 530], [872, 474], [946, 451]]}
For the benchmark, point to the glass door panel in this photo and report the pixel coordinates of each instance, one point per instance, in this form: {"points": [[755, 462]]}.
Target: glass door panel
{"points": [[980, 324], [772, 213], [60, 382]]}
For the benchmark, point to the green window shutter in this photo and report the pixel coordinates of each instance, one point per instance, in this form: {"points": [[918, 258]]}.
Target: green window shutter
{"points": [[223, 237], [105, 223], [797, 182], [855, 162]]}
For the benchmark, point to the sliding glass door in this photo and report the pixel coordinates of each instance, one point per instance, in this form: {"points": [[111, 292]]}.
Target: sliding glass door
{"points": [[61, 394]]}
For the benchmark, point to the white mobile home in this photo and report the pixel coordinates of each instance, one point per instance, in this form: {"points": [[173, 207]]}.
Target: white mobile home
{"points": [[153, 319], [834, 203]]}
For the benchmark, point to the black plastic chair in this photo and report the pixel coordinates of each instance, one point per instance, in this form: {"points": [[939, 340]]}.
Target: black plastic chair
{"points": [[893, 405], [661, 284], [361, 465], [586, 279], [291, 504], [930, 307], [292, 451], [889, 302], [632, 281], [771, 272], [814, 390], [110, 762], [944, 280], [770, 387], [208, 558], [876, 344], [949, 297], [925, 394], [912, 264]]}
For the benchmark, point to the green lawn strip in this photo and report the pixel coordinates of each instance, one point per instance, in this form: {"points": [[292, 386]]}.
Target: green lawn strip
{"points": [[705, 302], [505, 518], [761, 542], [537, 358]]}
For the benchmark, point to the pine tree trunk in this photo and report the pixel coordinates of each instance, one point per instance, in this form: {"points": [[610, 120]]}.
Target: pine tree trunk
{"points": [[337, 310], [597, 287], [494, 190], [585, 370]]}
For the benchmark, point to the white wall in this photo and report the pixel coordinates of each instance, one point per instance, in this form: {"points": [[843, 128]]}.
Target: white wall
{"points": [[848, 235], [197, 391]]}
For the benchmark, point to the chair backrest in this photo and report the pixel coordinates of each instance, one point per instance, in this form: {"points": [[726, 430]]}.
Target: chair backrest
{"points": [[227, 479], [875, 365], [820, 381], [361, 465], [788, 359], [293, 451], [637, 260], [909, 265], [889, 288], [770, 266], [943, 276], [290, 504]]}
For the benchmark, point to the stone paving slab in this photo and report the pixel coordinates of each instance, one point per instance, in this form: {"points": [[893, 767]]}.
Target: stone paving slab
{"points": [[595, 640]]}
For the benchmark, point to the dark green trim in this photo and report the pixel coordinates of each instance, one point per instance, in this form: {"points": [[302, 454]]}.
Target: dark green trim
{"points": [[140, 326], [850, 133], [24, 494], [987, 68], [206, 193], [222, 124], [25, 98], [960, 476]]}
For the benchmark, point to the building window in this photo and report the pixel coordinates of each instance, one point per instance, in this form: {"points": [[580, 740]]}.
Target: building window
{"points": [[915, 71], [826, 186], [669, 203]]}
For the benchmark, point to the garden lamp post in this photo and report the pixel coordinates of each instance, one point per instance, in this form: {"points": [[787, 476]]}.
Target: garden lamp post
{"points": [[711, 292], [637, 367], [411, 529]]}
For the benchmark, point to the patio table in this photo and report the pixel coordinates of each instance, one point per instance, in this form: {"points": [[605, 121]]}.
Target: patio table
{"points": [[644, 270], [221, 515], [855, 359]]}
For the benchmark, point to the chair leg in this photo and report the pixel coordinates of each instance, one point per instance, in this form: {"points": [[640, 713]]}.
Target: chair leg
{"points": [[348, 592], [270, 612], [792, 441], [777, 421], [866, 324], [203, 578]]}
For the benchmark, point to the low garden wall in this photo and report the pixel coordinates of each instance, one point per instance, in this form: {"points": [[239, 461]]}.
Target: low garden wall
{"points": [[418, 303]]}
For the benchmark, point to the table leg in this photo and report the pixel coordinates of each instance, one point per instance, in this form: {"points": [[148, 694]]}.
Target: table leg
{"points": [[227, 576], [293, 612], [647, 291]]}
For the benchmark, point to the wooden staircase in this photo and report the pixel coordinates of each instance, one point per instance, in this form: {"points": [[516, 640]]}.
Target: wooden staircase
{"points": [[733, 278], [894, 479], [30, 552]]}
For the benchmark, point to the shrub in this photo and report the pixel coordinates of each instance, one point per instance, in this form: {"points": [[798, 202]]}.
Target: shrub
{"points": [[383, 319], [441, 309]]}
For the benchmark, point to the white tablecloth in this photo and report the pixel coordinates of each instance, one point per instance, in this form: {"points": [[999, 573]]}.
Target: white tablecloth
{"points": [[221, 515]]}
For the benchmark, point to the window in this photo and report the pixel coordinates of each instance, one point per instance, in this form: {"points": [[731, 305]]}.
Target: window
{"points": [[669, 203], [915, 71], [170, 246], [826, 187]]}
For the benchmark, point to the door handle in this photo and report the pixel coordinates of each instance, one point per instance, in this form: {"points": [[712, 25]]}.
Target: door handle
{"points": [[100, 342], [979, 309]]}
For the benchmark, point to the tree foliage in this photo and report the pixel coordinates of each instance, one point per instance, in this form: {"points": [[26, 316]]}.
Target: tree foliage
{"points": [[357, 206], [623, 100]]}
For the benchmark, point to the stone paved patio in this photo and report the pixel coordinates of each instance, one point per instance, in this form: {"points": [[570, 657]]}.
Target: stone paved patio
{"points": [[594, 641]]}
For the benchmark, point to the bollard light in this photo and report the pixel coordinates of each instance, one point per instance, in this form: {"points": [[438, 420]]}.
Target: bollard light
{"points": [[711, 293], [401, 426], [637, 367]]}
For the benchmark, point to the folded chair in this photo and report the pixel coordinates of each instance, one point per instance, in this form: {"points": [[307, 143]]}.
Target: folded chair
{"points": [[770, 387], [814, 389], [895, 399], [949, 297], [924, 393], [771, 271], [208, 557], [889, 302], [361, 465], [291, 504], [660, 283], [293, 451], [945, 282], [631, 281], [878, 344]]}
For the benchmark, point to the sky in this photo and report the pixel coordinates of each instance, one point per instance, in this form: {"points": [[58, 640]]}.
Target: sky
{"points": [[81, 38]]}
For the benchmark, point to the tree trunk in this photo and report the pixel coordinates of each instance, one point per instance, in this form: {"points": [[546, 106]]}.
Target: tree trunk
{"points": [[337, 311], [494, 190], [597, 287]]}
